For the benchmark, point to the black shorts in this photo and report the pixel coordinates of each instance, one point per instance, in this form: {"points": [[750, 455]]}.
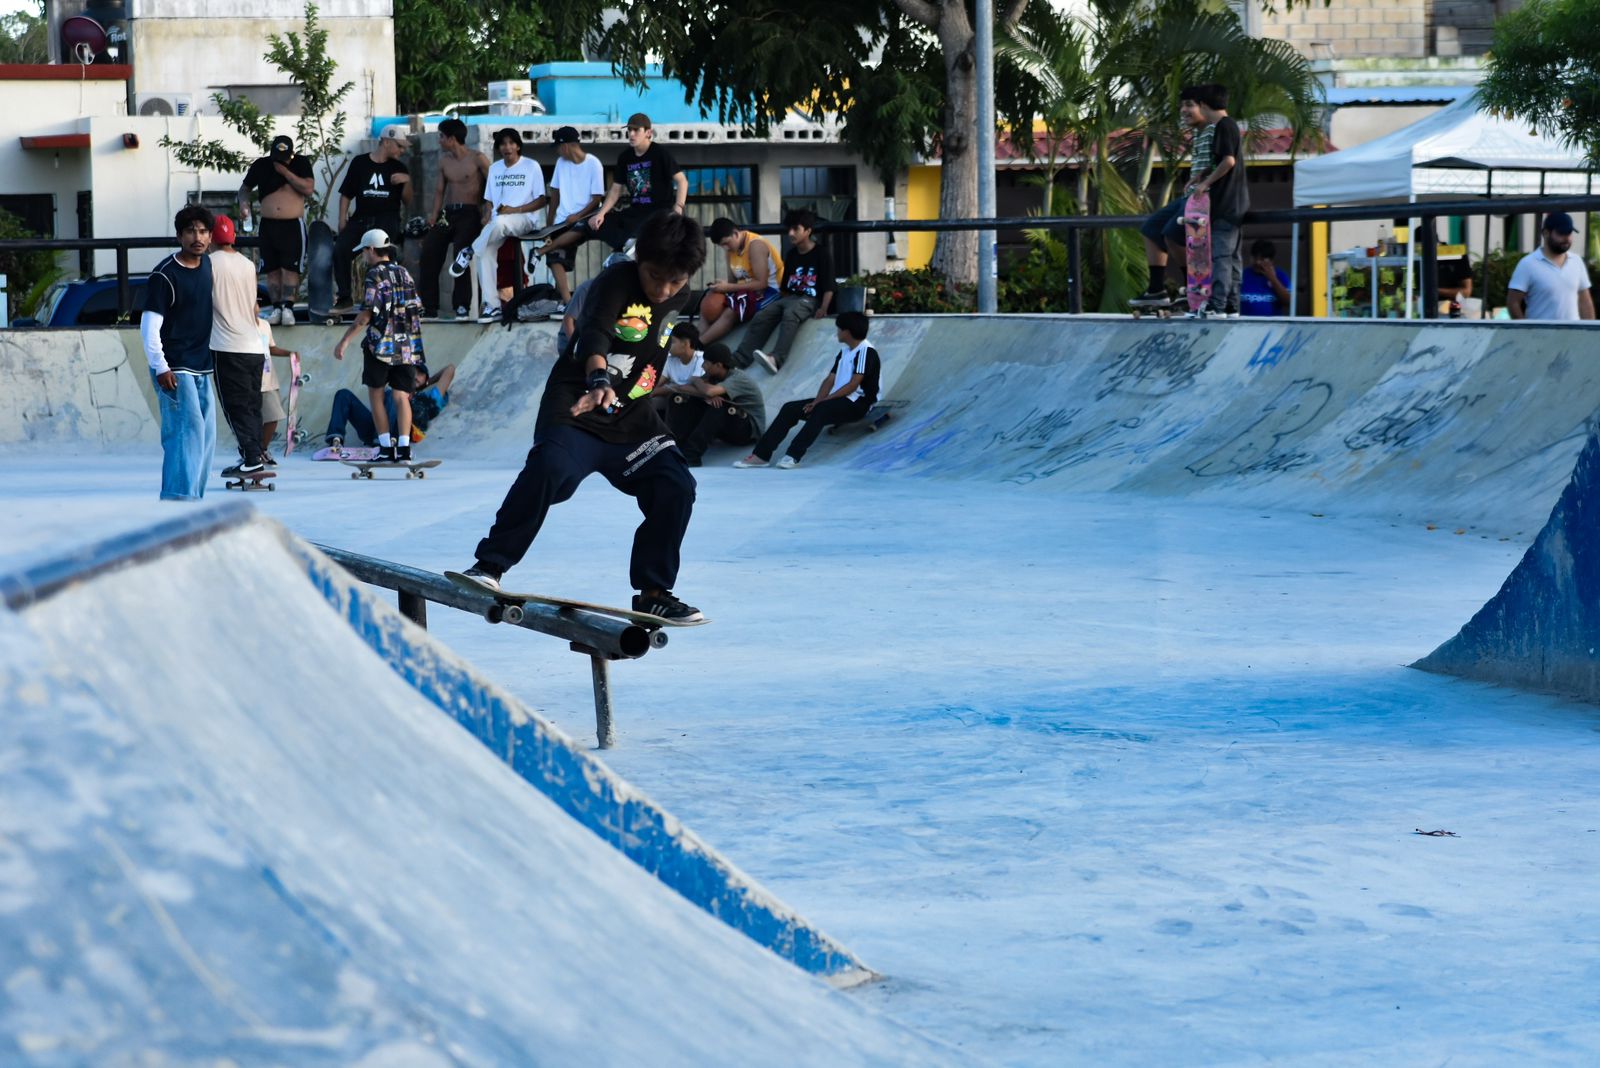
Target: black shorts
{"points": [[375, 374], [283, 245], [617, 229], [561, 257]]}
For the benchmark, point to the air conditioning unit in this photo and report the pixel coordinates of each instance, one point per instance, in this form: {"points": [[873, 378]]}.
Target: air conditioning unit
{"points": [[179, 104]]}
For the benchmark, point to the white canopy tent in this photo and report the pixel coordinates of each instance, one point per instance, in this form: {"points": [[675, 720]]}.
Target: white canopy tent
{"points": [[1458, 151]]}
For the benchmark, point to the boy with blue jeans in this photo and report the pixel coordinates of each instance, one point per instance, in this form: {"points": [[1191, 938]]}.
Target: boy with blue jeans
{"points": [[176, 330], [430, 398], [1218, 169]]}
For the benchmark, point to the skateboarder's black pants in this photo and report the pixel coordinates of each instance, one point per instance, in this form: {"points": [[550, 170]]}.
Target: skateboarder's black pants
{"points": [[827, 413], [239, 388], [697, 424], [463, 223], [344, 248], [651, 472]]}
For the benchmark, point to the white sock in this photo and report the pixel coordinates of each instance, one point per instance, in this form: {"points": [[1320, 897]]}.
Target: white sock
{"points": [[383, 441], [405, 441]]}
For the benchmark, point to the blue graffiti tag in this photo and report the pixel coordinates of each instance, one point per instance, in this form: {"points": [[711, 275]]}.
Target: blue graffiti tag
{"points": [[1273, 351]]}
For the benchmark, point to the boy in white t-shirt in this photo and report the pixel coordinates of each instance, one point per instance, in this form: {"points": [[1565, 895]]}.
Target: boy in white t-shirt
{"points": [[271, 405], [685, 356], [577, 187], [512, 195]]}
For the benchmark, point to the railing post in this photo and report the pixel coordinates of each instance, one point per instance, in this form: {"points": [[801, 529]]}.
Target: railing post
{"points": [[1429, 289], [1074, 270], [124, 294], [600, 669], [414, 607]]}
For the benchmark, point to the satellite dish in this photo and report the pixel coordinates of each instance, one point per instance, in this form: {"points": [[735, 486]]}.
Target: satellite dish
{"points": [[83, 38]]}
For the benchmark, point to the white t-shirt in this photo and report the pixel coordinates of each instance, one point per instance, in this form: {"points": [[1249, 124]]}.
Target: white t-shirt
{"points": [[848, 364], [1552, 291], [269, 380], [577, 182], [678, 372], [512, 187]]}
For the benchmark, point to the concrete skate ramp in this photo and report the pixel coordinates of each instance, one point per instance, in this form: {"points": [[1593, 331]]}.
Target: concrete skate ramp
{"points": [[233, 833], [1543, 627], [1461, 423]]}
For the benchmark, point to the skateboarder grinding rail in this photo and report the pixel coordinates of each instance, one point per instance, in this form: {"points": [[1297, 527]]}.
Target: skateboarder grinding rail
{"points": [[1218, 171], [391, 315], [596, 416]]}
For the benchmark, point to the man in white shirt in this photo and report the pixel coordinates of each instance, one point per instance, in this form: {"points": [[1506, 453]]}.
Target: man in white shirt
{"points": [[515, 191], [847, 391], [576, 188], [1550, 282]]}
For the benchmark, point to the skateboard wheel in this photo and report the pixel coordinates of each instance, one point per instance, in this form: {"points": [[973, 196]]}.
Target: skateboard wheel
{"points": [[410, 475], [355, 474], [272, 487], [422, 474], [494, 613], [512, 613]]}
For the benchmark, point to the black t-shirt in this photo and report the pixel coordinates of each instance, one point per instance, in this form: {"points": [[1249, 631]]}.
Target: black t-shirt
{"points": [[1230, 195], [618, 320], [809, 274], [264, 178], [372, 187], [182, 297], [647, 178]]}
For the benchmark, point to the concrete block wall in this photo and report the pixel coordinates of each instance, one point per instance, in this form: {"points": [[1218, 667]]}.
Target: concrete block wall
{"points": [[1349, 29]]}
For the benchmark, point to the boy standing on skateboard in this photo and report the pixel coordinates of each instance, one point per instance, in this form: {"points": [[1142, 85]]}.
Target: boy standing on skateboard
{"points": [[391, 315], [596, 417], [1218, 171], [236, 346]]}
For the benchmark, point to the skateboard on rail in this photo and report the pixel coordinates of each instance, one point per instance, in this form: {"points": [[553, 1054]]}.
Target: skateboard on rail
{"points": [[1197, 250], [255, 480], [412, 468], [292, 434], [510, 605]]}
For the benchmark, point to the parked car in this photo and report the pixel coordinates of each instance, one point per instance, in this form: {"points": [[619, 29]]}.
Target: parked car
{"points": [[87, 302]]}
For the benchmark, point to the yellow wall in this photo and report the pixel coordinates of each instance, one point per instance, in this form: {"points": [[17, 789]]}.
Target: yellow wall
{"points": [[922, 202]]}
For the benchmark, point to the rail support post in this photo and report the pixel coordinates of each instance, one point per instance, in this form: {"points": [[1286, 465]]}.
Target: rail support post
{"points": [[600, 670], [414, 607]]}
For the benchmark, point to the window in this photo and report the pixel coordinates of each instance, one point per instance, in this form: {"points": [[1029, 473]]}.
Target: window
{"points": [[831, 193], [721, 192], [36, 210]]}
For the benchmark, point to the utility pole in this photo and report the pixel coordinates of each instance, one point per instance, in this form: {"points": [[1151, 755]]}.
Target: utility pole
{"points": [[988, 266]]}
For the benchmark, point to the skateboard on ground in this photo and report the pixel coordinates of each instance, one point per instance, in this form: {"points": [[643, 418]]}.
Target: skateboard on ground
{"points": [[1197, 249], [510, 604], [347, 452], [1161, 309], [255, 480], [319, 273], [292, 434], [413, 468], [876, 416]]}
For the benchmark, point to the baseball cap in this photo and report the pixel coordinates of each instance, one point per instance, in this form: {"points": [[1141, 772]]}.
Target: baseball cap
{"points": [[1560, 222], [638, 121], [566, 135], [374, 238], [283, 143], [222, 231], [398, 134]]}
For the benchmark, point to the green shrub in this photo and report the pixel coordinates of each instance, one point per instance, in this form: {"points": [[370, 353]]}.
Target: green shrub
{"points": [[28, 274], [921, 291]]}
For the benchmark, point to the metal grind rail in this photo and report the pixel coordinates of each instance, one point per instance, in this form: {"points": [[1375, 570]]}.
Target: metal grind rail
{"points": [[601, 638]]}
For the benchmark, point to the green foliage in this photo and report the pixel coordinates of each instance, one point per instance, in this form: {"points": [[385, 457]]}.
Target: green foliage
{"points": [[1491, 275], [1545, 68], [28, 274], [452, 48], [921, 291], [24, 36], [319, 131]]}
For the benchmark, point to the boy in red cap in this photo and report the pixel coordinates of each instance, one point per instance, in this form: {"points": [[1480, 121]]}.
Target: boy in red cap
{"points": [[236, 346]]}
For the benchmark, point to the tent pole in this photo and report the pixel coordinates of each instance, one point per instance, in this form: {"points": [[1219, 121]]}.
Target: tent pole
{"points": [[1294, 270], [1411, 249]]}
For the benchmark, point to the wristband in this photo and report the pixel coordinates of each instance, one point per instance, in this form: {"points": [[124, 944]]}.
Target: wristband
{"points": [[599, 379]]}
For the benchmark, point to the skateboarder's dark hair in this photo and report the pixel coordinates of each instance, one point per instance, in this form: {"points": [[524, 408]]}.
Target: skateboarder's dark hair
{"points": [[454, 128], [853, 323], [507, 134], [721, 230], [673, 241], [192, 213], [686, 332], [1262, 247], [802, 217], [1210, 94]]}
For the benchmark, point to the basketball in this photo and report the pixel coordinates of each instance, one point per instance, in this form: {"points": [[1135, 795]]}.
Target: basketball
{"points": [[712, 305]]}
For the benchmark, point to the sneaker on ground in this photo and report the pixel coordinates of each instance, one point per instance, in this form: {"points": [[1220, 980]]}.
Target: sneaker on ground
{"points": [[459, 265], [483, 576], [283, 317], [342, 306], [767, 361], [750, 461], [268, 459], [250, 468], [1201, 314], [561, 308], [788, 463], [490, 314], [1152, 295], [461, 311], [667, 606]]}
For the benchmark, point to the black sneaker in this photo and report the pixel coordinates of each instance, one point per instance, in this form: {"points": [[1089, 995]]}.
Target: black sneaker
{"points": [[1152, 295], [250, 468], [388, 454], [403, 454], [667, 606], [268, 459], [484, 575], [230, 472], [463, 260]]}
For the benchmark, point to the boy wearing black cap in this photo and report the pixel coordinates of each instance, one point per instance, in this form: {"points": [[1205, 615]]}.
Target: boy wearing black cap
{"points": [[576, 188], [1550, 282], [596, 417], [284, 181]]}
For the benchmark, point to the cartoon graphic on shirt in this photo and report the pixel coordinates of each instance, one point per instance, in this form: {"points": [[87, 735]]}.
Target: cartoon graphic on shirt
{"points": [[646, 383], [634, 323], [803, 280], [639, 182]]}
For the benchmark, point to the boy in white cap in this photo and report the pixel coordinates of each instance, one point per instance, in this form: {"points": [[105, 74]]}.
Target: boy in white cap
{"points": [[391, 315]]}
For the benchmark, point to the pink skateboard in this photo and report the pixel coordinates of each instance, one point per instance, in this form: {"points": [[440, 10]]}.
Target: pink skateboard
{"points": [[1197, 249], [347, 452]]}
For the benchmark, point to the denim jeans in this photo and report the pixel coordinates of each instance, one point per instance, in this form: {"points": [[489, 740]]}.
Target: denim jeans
{"points": [[347, 408], [1227, 266], [188, 436]]}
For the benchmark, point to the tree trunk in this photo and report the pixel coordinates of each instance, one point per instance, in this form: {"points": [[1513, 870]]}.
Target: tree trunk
{"points": [[955, 254]]}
